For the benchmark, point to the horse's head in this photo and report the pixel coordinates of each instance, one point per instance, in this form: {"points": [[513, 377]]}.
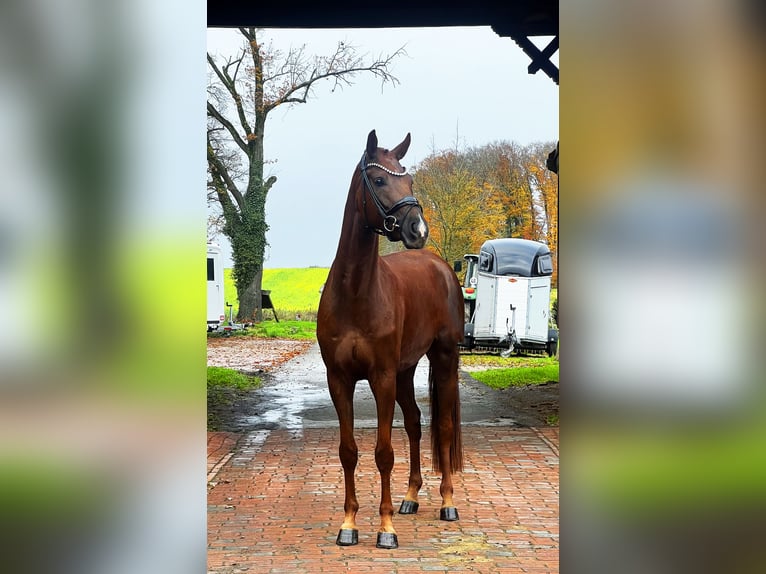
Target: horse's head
{"points": [[392, 210]]}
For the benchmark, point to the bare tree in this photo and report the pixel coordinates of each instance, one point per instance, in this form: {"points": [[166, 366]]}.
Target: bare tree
{"points": [[242, 91]]}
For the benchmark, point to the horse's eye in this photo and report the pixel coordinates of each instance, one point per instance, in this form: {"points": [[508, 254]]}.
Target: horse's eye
{"points": [[378, 181]]}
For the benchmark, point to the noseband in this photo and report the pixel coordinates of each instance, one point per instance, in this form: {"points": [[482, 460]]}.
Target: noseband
{"points": [[390, 223]]}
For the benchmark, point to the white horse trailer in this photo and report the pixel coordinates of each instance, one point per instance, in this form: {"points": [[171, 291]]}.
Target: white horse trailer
{"points": [[215, 298], [507, 295]]}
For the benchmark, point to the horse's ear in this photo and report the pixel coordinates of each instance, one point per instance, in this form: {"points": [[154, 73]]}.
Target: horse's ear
{"points": [[372, 144], [402, 148]]}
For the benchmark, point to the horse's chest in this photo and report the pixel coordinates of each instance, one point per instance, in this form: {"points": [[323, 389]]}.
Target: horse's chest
{"points": [[357, 354]]}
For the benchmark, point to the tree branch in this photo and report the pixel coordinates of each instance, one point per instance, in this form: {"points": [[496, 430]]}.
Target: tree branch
{"points": [[229, 82], [217, 116], [341, 76], [218, 170], [232, 79]]}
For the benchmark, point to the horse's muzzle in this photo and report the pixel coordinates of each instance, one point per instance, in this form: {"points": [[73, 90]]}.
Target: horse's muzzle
{"points": [[414, 230]]}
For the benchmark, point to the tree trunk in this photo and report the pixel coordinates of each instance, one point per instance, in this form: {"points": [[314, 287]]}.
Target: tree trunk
{"points": [[250, 300], [248, 249]]}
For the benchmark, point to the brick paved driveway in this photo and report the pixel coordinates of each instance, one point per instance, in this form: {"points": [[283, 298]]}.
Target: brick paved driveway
{"points": [[275, 503]]}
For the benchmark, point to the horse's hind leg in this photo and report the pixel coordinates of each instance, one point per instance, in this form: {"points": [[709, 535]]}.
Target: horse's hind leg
{"points": [[445, 422], [342, 393], [405, 396]]}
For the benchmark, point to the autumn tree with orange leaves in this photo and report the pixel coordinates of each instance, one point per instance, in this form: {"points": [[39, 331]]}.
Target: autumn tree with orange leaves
{"points": [[497, 190], [462, 212], [546, 183]]}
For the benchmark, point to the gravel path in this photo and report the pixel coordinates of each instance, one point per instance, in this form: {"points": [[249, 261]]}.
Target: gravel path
{"points": [[253, 355]]}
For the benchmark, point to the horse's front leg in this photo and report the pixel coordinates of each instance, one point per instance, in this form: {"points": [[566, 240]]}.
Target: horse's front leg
{"points": [[405, 396], [342, 393], [384, 390]]}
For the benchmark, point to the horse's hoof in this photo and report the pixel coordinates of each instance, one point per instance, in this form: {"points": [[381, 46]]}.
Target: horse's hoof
{"points": [[347, 537], [448, 513], [387, 540], [408, 507]]}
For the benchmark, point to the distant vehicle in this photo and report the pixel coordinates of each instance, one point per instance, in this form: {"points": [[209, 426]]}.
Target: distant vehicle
{"points": [[507, 291], [215, 299]]}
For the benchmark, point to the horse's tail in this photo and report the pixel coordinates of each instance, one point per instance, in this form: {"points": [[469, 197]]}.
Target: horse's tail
{"points": [[439, 395]]}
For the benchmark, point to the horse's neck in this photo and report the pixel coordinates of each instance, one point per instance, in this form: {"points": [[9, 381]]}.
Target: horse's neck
{"points": [[356, 261]]}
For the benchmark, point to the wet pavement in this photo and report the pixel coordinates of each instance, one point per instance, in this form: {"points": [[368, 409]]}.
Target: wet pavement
{"points": [[275, 488], [296, 396]]}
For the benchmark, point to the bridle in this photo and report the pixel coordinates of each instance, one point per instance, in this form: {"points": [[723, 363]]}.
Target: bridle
{"points": [[390, 223]]}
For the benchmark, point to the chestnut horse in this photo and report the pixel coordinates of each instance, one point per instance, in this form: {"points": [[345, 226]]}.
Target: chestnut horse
{"points": [[377, 317]]}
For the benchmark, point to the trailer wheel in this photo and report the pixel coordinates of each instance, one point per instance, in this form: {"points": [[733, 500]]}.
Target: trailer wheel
{"points": [[551, 348]]}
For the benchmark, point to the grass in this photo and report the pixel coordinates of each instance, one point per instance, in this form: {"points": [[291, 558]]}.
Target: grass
{"points": [[270, 329], [515, 371], [517, 377], [221, 377], [223, 386], [488, 361], [293, 291], [284, 330]]}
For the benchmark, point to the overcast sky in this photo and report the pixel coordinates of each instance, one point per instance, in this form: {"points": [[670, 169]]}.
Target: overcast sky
{"points": [[463, 85]]}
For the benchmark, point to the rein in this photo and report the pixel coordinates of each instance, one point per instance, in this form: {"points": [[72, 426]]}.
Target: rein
{"points": [[390, 223]]}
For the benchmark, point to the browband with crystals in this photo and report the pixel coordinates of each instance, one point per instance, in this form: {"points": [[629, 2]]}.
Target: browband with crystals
{"points": [[398, 174]]}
